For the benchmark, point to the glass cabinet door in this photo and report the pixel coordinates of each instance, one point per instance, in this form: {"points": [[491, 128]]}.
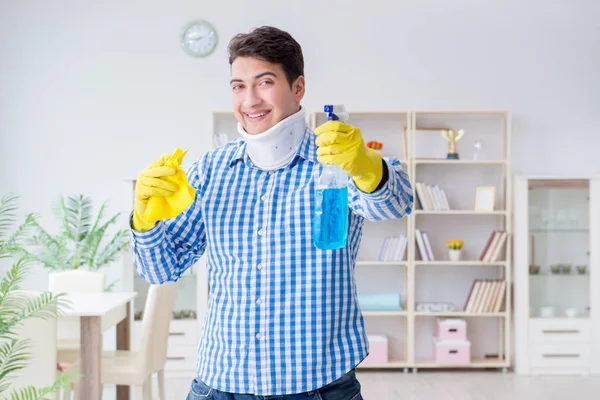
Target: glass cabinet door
{"points": [[559, 248]]}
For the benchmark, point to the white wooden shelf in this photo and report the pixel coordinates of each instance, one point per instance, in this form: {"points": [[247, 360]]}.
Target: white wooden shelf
{"points": [[444, 161], [430, 364], [382, 263], [460, 263], [460, 212], [460, 314], [475, 363], [499, 113], [385, 313], [388, 365]]}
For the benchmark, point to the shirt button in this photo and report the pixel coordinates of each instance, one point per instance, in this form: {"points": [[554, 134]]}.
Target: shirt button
{"points": [[258, 336], [263, 197], [259, 266], [260, 232], [272, 172], [258, 301]]}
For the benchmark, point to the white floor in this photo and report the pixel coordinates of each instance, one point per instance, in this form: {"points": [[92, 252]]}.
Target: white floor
{"points": [[428, 385]]}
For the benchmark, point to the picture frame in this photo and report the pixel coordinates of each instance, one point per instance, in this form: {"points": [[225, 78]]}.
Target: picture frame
{"points": [[485, 198]]}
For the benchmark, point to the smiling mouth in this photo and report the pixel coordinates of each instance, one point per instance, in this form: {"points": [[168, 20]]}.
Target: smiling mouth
{"points": [[257, 115]]}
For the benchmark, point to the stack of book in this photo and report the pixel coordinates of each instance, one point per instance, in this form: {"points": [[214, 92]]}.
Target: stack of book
{"points": [[487, 295], [393, 248], [431, 197], [493, 247], [424, 246]]}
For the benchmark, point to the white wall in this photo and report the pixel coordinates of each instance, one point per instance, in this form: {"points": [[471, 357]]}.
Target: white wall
{"points": [[91, 92]]}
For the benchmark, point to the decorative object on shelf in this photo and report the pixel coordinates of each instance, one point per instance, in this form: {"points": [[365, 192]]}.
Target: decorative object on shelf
{"points": [[452, 137], [454, 249], [478, 145], [565, 269], [534, 269], [375, 145], [451, 329], [571, 312], [451, 346], [380, 301], [555, 269], [81, 242], [137, 316], [452, 352], [547, 312], [378, 350], [581, 269], [199, 38], [435, 307], [485, 198]]}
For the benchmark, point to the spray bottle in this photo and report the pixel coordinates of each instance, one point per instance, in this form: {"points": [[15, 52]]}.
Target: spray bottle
{"points": [[330, 221]]}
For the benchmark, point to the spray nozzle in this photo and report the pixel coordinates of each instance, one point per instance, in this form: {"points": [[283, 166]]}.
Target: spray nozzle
{"points": [[336, 112]]}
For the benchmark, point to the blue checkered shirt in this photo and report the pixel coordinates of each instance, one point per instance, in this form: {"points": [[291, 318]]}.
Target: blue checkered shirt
{"points": [[283, 316]]}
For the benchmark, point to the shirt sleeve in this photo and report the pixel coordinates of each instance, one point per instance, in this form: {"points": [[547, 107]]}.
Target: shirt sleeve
{"points": [[166, 251], [394, 200]]}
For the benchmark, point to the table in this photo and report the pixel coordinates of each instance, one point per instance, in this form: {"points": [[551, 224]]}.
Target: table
{"points": [[98, 312]]}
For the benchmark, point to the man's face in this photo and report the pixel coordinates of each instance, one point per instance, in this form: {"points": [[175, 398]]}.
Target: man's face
{"points": [[261, 94]]}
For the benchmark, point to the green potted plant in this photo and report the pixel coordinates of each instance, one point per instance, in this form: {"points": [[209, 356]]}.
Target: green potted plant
{"points": [[16, 306], [81, 244]]}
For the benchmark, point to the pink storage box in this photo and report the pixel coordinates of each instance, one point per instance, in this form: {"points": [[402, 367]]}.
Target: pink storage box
{"points": [[378, 350], [452, 352], [451, 329]]}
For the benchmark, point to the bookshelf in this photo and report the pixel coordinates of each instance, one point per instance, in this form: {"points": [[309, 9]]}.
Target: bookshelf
{"points": [[484, 160]]}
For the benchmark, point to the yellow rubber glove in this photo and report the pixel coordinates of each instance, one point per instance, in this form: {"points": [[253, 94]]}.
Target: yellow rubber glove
{"points": [[342, 144], [161, 191]]}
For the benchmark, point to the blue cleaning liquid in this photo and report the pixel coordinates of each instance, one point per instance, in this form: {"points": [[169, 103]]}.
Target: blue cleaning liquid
{"points": [[331, 218]]}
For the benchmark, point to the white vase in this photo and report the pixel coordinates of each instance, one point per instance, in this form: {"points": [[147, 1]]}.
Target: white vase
{"points": [[454, 254]]}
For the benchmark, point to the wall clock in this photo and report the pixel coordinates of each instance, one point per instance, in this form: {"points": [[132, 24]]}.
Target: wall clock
{"points": [[199, 38]]}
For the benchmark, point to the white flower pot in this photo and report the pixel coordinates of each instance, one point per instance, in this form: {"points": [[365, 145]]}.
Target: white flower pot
{"points": [[454, 255]]}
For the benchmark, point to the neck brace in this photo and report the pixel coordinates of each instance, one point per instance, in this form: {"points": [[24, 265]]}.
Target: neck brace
{"points": [[276, 147]]}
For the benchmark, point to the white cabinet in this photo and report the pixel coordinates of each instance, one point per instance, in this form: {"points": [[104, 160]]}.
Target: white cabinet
{"points": [[557, 275]]}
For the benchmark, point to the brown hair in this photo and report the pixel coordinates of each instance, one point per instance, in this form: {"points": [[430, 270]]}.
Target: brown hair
{"points": [[269, 44]]}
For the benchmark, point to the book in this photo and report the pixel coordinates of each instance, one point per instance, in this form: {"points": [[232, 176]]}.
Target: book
{"points": [[431, 197], [486, 296], [393, 248]]}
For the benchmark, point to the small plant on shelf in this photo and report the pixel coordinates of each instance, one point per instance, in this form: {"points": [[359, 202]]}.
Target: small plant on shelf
{"points": [[375, 145], [454, 248]]}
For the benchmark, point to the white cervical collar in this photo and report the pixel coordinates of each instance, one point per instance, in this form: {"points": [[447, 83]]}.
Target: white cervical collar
{"points": [[276, 147]]}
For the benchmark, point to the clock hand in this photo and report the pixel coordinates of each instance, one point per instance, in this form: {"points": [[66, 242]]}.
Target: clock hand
{"points": [[197, 38]]}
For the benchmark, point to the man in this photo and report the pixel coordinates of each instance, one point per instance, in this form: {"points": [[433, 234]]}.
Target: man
{"points": [[283, 315]]}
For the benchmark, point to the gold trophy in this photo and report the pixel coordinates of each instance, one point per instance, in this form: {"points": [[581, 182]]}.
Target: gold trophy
{"points": [[452, 137]]}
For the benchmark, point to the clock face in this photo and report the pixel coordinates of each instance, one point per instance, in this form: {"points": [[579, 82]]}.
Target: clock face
{"points": [[199, 39]]}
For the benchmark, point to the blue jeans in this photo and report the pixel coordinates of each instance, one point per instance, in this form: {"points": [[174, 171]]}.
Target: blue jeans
{"points": [[345, 388]]}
